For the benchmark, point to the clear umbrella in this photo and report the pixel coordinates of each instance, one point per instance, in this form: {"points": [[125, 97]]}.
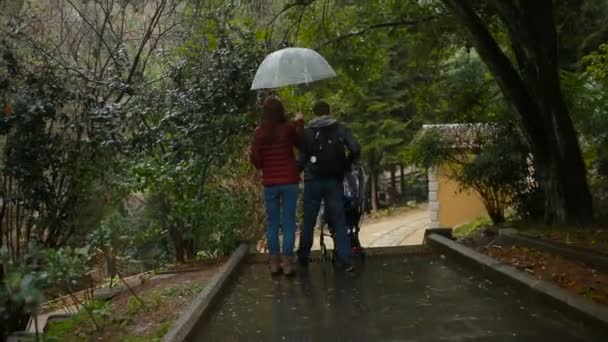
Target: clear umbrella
{"points": [[291, 66]]}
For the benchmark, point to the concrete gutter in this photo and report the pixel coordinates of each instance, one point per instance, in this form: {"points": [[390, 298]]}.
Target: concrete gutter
{"points": [[590, 313], [202, 302]]}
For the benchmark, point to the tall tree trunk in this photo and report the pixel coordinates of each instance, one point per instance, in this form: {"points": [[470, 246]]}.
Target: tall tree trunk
{"points": [[401, 180], [178, 244], [175, 233], [110, 261], [536, 97], [374, 189], [393, 192]]}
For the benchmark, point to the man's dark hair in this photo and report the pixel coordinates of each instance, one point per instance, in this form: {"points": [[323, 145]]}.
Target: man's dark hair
{"points": [[321, 108]]}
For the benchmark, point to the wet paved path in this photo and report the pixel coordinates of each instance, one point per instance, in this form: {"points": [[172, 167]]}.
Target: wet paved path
{"points": [[402, 229], [412, 298]]}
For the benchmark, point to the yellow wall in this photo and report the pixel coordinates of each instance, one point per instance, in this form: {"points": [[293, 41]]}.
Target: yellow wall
{"points": [[455, 207]]}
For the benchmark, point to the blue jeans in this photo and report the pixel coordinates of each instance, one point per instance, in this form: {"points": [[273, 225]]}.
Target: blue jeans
{"points": [[281, 201], [331, 192]]}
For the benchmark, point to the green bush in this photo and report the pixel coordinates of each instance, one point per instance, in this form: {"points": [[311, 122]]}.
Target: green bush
{"points": [[21, 288], [495, 165], [94, 316], [471, 228]]}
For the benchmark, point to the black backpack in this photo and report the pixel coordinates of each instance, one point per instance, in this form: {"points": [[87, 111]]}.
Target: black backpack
{"points": [[328, 154]]}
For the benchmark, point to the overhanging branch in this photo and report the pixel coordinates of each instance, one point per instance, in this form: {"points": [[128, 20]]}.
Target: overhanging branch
{"points": [[286, 8], [373, 27]]}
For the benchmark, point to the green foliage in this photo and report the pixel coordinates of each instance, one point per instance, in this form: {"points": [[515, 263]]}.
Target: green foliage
{"points": [[496, 166], [73, 328], [464, 93], [20, 290], [66, 267], [23, 281], [134, 305], [378, 70], [586, 95], [597, 63], [45, 156], [499, 173], [429, 150], [185, 290], [94, 316], [470, 229], [188, 130], [83, 127], [156, 336]]}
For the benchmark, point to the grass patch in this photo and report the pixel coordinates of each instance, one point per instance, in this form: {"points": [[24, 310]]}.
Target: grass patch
{"points": [[94, 317], [107, 318], [471, 228], [185, 290], [156, 336]]}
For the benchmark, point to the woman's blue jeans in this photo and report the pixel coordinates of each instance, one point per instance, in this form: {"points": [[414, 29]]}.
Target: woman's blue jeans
{"points": [[281, 203]]}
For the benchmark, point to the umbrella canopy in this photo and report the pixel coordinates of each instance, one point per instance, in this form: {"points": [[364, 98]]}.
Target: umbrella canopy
{"points": [[291, 66]]}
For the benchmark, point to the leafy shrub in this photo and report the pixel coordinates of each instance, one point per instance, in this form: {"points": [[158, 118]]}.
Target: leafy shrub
{"points": [[21, 288], [471, 228], [94, 316], [66, 269], [189, 130], [495, 164]]}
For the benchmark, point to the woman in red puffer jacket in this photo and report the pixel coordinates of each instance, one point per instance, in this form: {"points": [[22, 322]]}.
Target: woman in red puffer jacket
{"points": [[272, 152]]}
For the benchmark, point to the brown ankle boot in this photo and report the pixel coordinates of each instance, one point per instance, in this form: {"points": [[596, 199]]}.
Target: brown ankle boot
{"points": [[288, 266], [275, 264]]}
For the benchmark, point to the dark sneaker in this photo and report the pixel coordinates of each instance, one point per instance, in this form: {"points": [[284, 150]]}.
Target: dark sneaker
{"points": [[349, 268]]}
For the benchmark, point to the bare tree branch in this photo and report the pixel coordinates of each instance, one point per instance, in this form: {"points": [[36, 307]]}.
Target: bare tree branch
{"points": [[287, 7], [99, 35], [374, 27]]}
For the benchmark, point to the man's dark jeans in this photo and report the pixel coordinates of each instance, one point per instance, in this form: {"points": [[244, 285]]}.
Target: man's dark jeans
{"points": [[329, 191]]}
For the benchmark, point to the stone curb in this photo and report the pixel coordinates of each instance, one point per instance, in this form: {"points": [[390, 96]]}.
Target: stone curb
{"points": [[592, 258], [202, 302], [590, 313], [445, 232]]}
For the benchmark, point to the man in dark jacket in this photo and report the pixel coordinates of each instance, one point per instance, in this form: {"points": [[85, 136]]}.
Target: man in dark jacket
{"points": [[324, 160]]}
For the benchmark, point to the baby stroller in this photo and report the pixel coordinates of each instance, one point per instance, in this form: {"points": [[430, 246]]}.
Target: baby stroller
{"points": [[354, 208]]}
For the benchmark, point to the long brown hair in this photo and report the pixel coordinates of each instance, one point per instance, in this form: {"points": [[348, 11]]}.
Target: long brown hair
{"points": [[273, 114]]}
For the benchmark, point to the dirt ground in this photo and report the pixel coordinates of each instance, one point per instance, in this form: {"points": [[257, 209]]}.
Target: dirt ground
{"points": [[163, 298], [594, 237], [573, 276], [170, 308]]}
